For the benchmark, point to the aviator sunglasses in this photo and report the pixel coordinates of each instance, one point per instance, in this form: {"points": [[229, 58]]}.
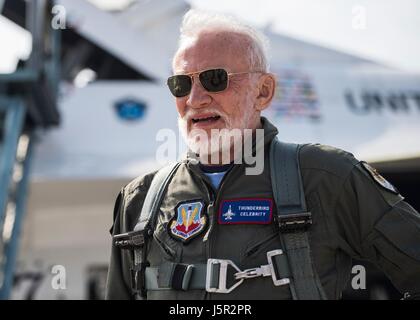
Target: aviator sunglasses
{"points": [[212, 80]]}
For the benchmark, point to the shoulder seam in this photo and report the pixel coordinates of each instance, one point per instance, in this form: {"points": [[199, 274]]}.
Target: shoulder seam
{"points": [[347, 161], [141, 186], [327, 171]]}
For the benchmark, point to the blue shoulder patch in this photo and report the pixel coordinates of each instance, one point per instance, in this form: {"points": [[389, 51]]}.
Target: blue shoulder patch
{"points": [[246, 211]]}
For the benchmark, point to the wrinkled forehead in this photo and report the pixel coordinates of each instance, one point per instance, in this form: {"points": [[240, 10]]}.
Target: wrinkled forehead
{"points": [[228, 50]]}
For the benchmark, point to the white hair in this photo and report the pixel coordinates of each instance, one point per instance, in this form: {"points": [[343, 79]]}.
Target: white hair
{"points": [[195, 22]]}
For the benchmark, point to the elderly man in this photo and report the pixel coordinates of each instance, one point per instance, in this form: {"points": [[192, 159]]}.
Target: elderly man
{"points": [[205, 229]]}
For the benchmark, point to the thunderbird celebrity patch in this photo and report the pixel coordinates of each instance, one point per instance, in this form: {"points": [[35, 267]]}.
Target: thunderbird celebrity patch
{"points": [[246, 210], [189, 220]]}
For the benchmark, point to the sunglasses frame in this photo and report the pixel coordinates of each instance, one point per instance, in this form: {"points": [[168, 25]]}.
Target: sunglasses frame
{"points": [[191, 75]]}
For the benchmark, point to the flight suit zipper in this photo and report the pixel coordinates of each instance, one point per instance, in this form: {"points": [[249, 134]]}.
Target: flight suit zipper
{"points": [[212, 213], [214, 200]]}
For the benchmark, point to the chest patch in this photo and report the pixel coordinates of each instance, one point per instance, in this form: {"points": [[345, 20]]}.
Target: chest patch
{"points": [[189, 220], [246, 210]]}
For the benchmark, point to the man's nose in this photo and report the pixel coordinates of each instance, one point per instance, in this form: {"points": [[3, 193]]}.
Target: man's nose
{"points": [[198, 97]]}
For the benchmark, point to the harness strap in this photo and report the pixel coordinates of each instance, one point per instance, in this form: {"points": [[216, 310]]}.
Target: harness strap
{"points": [[169, 276], [154, 197], [138, 238], [293, 219], [214, 275]]}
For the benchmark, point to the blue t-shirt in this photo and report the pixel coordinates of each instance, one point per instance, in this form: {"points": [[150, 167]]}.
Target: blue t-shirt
{"points": [[215, 173]]}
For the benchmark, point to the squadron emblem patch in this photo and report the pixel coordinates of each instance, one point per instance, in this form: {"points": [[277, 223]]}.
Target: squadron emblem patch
{"points": [[378, 178], [189, 220]]}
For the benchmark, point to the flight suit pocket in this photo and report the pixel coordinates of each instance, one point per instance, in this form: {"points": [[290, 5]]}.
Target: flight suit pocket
{"points": [[256, 251], [402, 231]]}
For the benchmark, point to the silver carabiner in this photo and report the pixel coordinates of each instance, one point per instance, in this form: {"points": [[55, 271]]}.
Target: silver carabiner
{"points": [[262, 271]]}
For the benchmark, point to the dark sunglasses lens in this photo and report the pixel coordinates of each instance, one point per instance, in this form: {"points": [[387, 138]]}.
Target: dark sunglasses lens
{"points": [[180, 85], [214, 80]]}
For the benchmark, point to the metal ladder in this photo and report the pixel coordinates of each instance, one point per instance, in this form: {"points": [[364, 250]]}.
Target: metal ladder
{"points": [[15, 155], [27, 102]]}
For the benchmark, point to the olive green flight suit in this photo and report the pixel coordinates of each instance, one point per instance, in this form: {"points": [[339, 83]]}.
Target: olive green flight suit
{"points": [[354, 216]]}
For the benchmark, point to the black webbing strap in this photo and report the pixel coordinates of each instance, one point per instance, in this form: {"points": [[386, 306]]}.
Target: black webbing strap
{"points": [[154, 197], [146, 223], [293, 219]]}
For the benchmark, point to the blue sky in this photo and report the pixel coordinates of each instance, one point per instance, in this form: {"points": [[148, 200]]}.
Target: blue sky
{"points": [[391, 33]]}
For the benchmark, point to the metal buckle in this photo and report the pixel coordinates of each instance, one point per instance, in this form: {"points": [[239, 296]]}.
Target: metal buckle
{"points": [[295, 221], [221, 288], [130, 240], [270, 255], [264, 271]]}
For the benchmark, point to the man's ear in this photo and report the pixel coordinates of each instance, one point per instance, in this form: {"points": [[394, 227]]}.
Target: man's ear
{"points": [[266, 89]]}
